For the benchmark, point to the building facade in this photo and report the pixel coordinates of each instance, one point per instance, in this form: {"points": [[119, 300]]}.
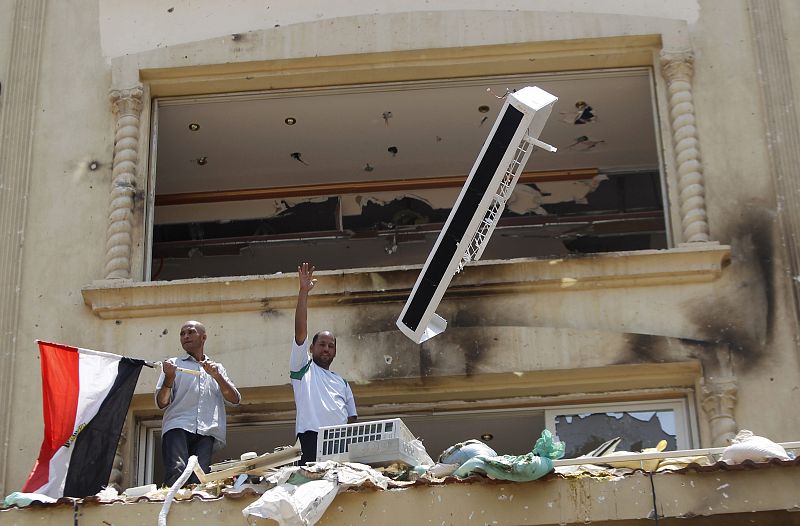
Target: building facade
{"points": [[162, 163]]}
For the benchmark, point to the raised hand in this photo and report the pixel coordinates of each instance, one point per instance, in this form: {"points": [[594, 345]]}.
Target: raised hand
{"points": [[306, 273]]}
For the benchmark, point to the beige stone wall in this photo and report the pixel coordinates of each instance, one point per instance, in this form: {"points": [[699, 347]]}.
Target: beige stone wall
{"points": [[7, 12], [742, 213], [553, 327]]}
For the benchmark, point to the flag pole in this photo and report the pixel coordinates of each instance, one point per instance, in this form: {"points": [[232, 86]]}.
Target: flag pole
{"points": [[180, 369]]}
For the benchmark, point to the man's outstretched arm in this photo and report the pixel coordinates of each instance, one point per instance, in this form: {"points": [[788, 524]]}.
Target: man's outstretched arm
{"points": [[306, 278]]}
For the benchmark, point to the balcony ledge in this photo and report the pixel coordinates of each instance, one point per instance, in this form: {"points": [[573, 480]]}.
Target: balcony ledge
{"points": [[692, 263]]}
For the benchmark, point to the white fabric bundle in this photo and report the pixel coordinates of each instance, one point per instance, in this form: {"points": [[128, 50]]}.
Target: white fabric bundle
{"points": [[747, 446]]}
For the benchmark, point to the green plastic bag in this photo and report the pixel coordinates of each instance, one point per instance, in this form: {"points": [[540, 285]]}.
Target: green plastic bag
{"points": [[517, 468]]}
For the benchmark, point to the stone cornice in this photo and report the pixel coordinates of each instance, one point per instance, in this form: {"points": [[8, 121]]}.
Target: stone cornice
{"points": [[116, 299], [212, 66]]}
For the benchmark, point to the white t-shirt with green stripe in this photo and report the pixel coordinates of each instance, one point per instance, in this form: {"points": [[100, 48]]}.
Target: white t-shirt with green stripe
{"points": [[322, 397]]}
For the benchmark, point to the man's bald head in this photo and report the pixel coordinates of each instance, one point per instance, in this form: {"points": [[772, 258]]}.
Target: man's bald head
{"points": [[193, 338]]}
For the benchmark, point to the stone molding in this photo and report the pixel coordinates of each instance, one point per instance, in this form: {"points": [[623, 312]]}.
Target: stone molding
{"points": [[718, 398], [127, 106], [17, 127], [117, 299], [678, 69], [782, 124]]}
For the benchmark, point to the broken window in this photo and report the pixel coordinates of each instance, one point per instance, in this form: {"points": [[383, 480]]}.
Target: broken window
{"points": [[253, 183], [632, 427]]}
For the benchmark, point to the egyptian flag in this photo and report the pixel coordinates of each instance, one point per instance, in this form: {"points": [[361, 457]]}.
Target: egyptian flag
{"points": [[86, 395]]}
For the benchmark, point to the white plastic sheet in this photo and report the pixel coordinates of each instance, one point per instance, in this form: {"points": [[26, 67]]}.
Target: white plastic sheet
{"points": [[304, 504], [291, 505]]}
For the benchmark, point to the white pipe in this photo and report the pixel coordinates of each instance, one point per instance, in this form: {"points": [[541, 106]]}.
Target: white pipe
{"points": [[162, 515]]}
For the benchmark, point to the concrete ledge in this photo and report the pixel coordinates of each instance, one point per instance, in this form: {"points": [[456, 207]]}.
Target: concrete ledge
{"points": [[765, 495], [117, 299]]}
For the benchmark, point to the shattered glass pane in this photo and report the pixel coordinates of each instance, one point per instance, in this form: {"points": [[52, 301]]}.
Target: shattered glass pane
{"points": [[584, 432]]}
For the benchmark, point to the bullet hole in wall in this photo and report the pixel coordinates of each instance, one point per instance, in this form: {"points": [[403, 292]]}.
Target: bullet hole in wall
{"points": [[297, 156]]}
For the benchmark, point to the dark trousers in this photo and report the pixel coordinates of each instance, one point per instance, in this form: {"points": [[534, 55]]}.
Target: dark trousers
{"points": [[308, 443], [177, 445]]}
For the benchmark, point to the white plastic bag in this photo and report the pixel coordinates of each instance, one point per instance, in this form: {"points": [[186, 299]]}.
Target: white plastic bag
{"points": [[290, 505], [747, 446]]}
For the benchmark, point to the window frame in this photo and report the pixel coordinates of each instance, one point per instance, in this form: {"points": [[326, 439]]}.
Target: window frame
{"points": [[156, 102], [686, 433]]}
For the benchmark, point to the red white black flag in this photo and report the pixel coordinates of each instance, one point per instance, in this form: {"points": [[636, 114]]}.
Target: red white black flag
{"points": [[86, 395]]}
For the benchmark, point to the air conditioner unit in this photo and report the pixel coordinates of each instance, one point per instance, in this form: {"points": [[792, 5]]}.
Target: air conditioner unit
{"points": [[478, 207]]}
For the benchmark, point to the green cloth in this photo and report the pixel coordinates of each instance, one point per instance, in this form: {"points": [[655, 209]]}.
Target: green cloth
{"points": [[517, 468]]}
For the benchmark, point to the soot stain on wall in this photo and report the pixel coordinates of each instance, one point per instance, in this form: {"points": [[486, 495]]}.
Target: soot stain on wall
{"points": [[650, 348], [745, 322], [645, 348], [473, 355]]}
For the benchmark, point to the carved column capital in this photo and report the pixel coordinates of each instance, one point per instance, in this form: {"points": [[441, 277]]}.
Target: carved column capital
{"points": [[127, 101], [718, 399], [677, 68], [127, 106], [677, 65]]}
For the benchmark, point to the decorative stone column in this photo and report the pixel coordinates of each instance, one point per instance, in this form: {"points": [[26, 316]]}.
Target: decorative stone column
{"points": [[678, 69], [127, 106], [718, 401]]}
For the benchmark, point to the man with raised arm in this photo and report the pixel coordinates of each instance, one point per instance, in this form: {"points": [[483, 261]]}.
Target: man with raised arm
{"points": [[322, 397], [194, 391]]}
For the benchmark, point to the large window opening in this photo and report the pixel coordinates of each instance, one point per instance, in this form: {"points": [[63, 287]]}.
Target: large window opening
{"points": [[511, 431], [253, 183]]}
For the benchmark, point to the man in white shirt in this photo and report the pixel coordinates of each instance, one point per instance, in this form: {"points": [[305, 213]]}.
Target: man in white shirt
{"points": [[322, 397]]}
